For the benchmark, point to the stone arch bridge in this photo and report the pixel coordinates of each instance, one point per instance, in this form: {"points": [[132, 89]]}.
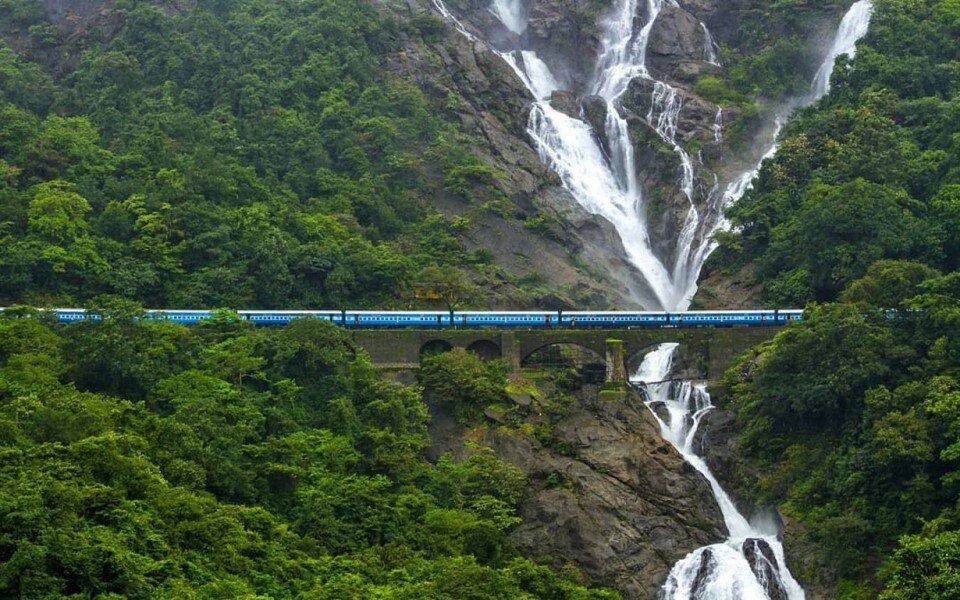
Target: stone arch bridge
{"points": [[714, 348]]}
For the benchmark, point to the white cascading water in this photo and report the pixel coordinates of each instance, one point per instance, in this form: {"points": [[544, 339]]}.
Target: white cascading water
{"points": [[512, 13], [853, 27], [604, 181], [738, 567], [709, 46]]}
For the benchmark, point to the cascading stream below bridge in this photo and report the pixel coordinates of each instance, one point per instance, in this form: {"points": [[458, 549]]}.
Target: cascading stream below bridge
{"points": [[751, 562]]}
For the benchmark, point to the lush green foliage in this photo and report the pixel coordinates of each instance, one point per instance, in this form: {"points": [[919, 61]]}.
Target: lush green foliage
{"points": [[853, 417], [146, 459], [773, 49], [856, 419], [248, 154], [463, 381], [869, 173]]}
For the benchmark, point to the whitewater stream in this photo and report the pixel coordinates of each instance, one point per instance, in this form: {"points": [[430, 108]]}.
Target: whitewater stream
{"points": [[750, 563]]}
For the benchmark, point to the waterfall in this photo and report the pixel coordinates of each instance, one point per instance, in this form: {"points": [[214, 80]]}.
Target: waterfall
{"points": [[709, 46], [853, 27], [512, 13], [718, 126], [604, 180], [533, 72], [750, 563]]}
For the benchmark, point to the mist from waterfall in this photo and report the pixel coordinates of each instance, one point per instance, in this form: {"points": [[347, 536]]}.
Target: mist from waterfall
{"points": [[853, 27]]}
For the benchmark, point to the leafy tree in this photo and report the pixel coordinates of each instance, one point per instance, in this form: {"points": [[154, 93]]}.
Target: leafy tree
{"points": [[463, 380], [925, 568]]}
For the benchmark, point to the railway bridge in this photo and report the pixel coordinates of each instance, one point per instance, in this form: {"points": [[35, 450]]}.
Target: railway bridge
{"points": [[712, 348]]}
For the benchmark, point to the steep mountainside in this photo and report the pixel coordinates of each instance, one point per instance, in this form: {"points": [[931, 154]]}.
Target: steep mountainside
{"points": [[648, 117], [869, 173], [273, 155]]}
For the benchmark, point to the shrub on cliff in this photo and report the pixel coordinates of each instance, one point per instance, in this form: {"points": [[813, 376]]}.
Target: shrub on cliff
{"points": [[463, 380]]}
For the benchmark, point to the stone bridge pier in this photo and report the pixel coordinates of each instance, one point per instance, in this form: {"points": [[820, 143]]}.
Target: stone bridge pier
{"points": [[713, 348]]}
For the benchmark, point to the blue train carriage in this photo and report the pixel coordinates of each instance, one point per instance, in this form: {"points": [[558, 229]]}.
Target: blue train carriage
{"points": [[369, 318], [619, 319], [71, 315], [284, 317], [788, 315], [182, 317], [727, 318], [506, 318]]}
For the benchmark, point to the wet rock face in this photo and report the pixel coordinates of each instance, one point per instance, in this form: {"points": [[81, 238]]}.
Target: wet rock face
{"points": [[765, 567], [703, 571], [481, 91], [594, 111], [676, 34], [716, 442], [620, 503], [565, 36], [564, 33]]}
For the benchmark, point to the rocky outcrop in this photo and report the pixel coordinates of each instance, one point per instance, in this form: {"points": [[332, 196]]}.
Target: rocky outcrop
{"points": [[765, 566], [607, 495], [716, 442], [565, 34], [678, 46]]}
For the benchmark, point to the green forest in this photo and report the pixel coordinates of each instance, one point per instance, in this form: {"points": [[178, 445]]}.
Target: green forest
{"points": [[852, 419], [260, 154], [153, 460], [244, 154]]}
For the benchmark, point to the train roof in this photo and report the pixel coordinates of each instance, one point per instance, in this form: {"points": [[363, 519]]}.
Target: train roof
{"points": [[505, 312]]}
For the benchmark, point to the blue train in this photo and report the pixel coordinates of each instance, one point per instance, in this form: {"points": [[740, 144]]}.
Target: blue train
{"points": [[478, 319]]}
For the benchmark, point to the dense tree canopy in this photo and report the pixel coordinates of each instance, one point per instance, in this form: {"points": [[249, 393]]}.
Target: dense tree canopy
{"points": [[250, 154], [146, 459], [856, 419], [852, 417], [868, 173]]}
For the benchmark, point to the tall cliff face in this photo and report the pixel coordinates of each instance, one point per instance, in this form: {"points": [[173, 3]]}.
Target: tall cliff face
{"points": [[607, 494]]}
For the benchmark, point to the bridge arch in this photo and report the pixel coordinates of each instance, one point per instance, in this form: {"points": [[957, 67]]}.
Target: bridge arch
{"points": [[485, 349], [433, 347]]}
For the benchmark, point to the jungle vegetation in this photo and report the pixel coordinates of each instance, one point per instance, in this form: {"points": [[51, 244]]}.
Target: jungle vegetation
{"points": [[144, 459], [247, 154], [851, 418]]}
